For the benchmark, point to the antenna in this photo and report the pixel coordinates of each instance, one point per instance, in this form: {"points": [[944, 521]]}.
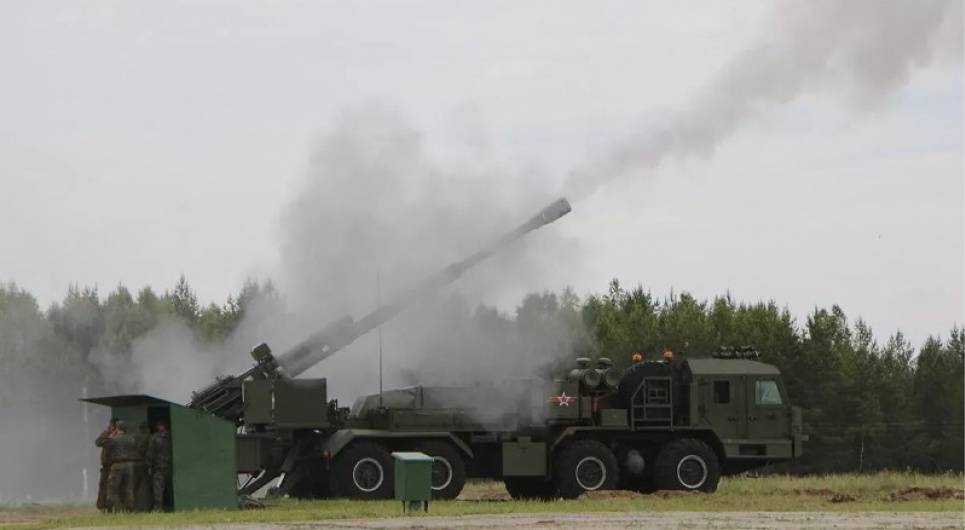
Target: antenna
{"points": [[86, 432], [378, 298]]}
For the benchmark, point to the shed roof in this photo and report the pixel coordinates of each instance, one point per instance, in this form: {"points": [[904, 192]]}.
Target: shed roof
{"points": [[730, 367], [131, 400]]}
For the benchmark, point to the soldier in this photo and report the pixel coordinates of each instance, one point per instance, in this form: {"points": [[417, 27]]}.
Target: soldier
{"points": [[105, 464], [159, 465], [121, 486], [141, 474]]}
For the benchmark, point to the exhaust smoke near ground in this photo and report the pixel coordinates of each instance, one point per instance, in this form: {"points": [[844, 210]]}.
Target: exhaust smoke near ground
{"points": [[860, 50], [171, 360], [43, 436]]}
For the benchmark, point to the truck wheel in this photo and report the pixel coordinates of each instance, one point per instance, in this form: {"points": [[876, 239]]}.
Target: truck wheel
{"points": [[448, 470], [311, 480], [363, 471], [530, 488], [687, 464], [586, 465]]}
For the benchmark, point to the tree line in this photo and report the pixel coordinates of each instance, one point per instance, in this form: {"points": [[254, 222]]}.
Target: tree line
{"points": [[869, 404]]}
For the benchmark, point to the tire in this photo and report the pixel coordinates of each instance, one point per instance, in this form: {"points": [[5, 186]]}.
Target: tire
{"points": [[586, 465], [312, 482], [448, 470], [363, 471], [688, 465], [530, 488]]}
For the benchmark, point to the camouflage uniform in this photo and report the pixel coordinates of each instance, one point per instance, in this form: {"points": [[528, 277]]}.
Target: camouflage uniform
{"points": [[106, 455], [141, 475], [159, 464], [122, 480]]}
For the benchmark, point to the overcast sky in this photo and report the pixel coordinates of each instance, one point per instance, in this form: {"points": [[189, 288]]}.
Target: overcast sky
{"points": [[142, 140]]}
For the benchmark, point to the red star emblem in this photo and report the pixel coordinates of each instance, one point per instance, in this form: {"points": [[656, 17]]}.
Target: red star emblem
{"points": [[562, 399]]}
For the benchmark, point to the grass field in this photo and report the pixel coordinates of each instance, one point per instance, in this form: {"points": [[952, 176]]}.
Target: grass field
{"points": [[891, 492]]}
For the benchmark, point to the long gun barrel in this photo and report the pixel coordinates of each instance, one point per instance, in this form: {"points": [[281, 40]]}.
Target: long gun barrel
{"points": [[223, 398], [322, 345]]}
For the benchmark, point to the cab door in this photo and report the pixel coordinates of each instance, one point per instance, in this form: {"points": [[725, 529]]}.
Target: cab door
{"points": [[723, 404], [768, 415]]}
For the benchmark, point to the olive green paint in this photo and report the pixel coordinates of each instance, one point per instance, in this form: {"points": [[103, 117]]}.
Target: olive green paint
{"points": [[524, 458], [205, 461], [413, 476]]}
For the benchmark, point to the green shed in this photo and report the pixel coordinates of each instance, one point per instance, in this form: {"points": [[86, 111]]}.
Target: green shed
{"points": [[203, 447]]}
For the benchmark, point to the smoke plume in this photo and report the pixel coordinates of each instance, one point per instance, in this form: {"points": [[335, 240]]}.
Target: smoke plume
{"points": [[171, 360], [376, 214], [858, 49]]}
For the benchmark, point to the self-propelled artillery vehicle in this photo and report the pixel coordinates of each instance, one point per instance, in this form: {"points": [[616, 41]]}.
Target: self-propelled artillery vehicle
{"points": [[282, 421], [667, 424], [672, 423]]}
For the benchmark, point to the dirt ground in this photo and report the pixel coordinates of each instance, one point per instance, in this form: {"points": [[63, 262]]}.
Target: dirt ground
{"points": [[610, 521]]}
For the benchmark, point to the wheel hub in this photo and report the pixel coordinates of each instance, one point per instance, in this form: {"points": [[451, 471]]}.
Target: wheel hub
{"points": [[692, 471], [368, 474], [590, 473]]}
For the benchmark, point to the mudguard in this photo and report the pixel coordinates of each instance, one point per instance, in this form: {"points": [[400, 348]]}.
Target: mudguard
{"points": [[340, 440]]}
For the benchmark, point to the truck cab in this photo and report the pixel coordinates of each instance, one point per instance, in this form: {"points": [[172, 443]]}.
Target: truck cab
{"points": [[745, 403]]}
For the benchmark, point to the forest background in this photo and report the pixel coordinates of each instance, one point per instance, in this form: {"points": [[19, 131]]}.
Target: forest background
{"points": [[870, 403]]}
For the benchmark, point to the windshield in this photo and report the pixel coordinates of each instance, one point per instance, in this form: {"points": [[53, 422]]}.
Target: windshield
{"points": [[767, 393]]}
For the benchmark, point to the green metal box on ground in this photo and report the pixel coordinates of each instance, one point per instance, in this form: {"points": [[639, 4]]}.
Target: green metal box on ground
{"points": [[413, 477], [204, 451]]}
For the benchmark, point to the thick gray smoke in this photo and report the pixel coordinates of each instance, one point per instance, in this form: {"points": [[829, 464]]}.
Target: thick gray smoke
{"points": [[170, 360], [374, 215], [861, 50], [377, 214], [375, 203]]}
